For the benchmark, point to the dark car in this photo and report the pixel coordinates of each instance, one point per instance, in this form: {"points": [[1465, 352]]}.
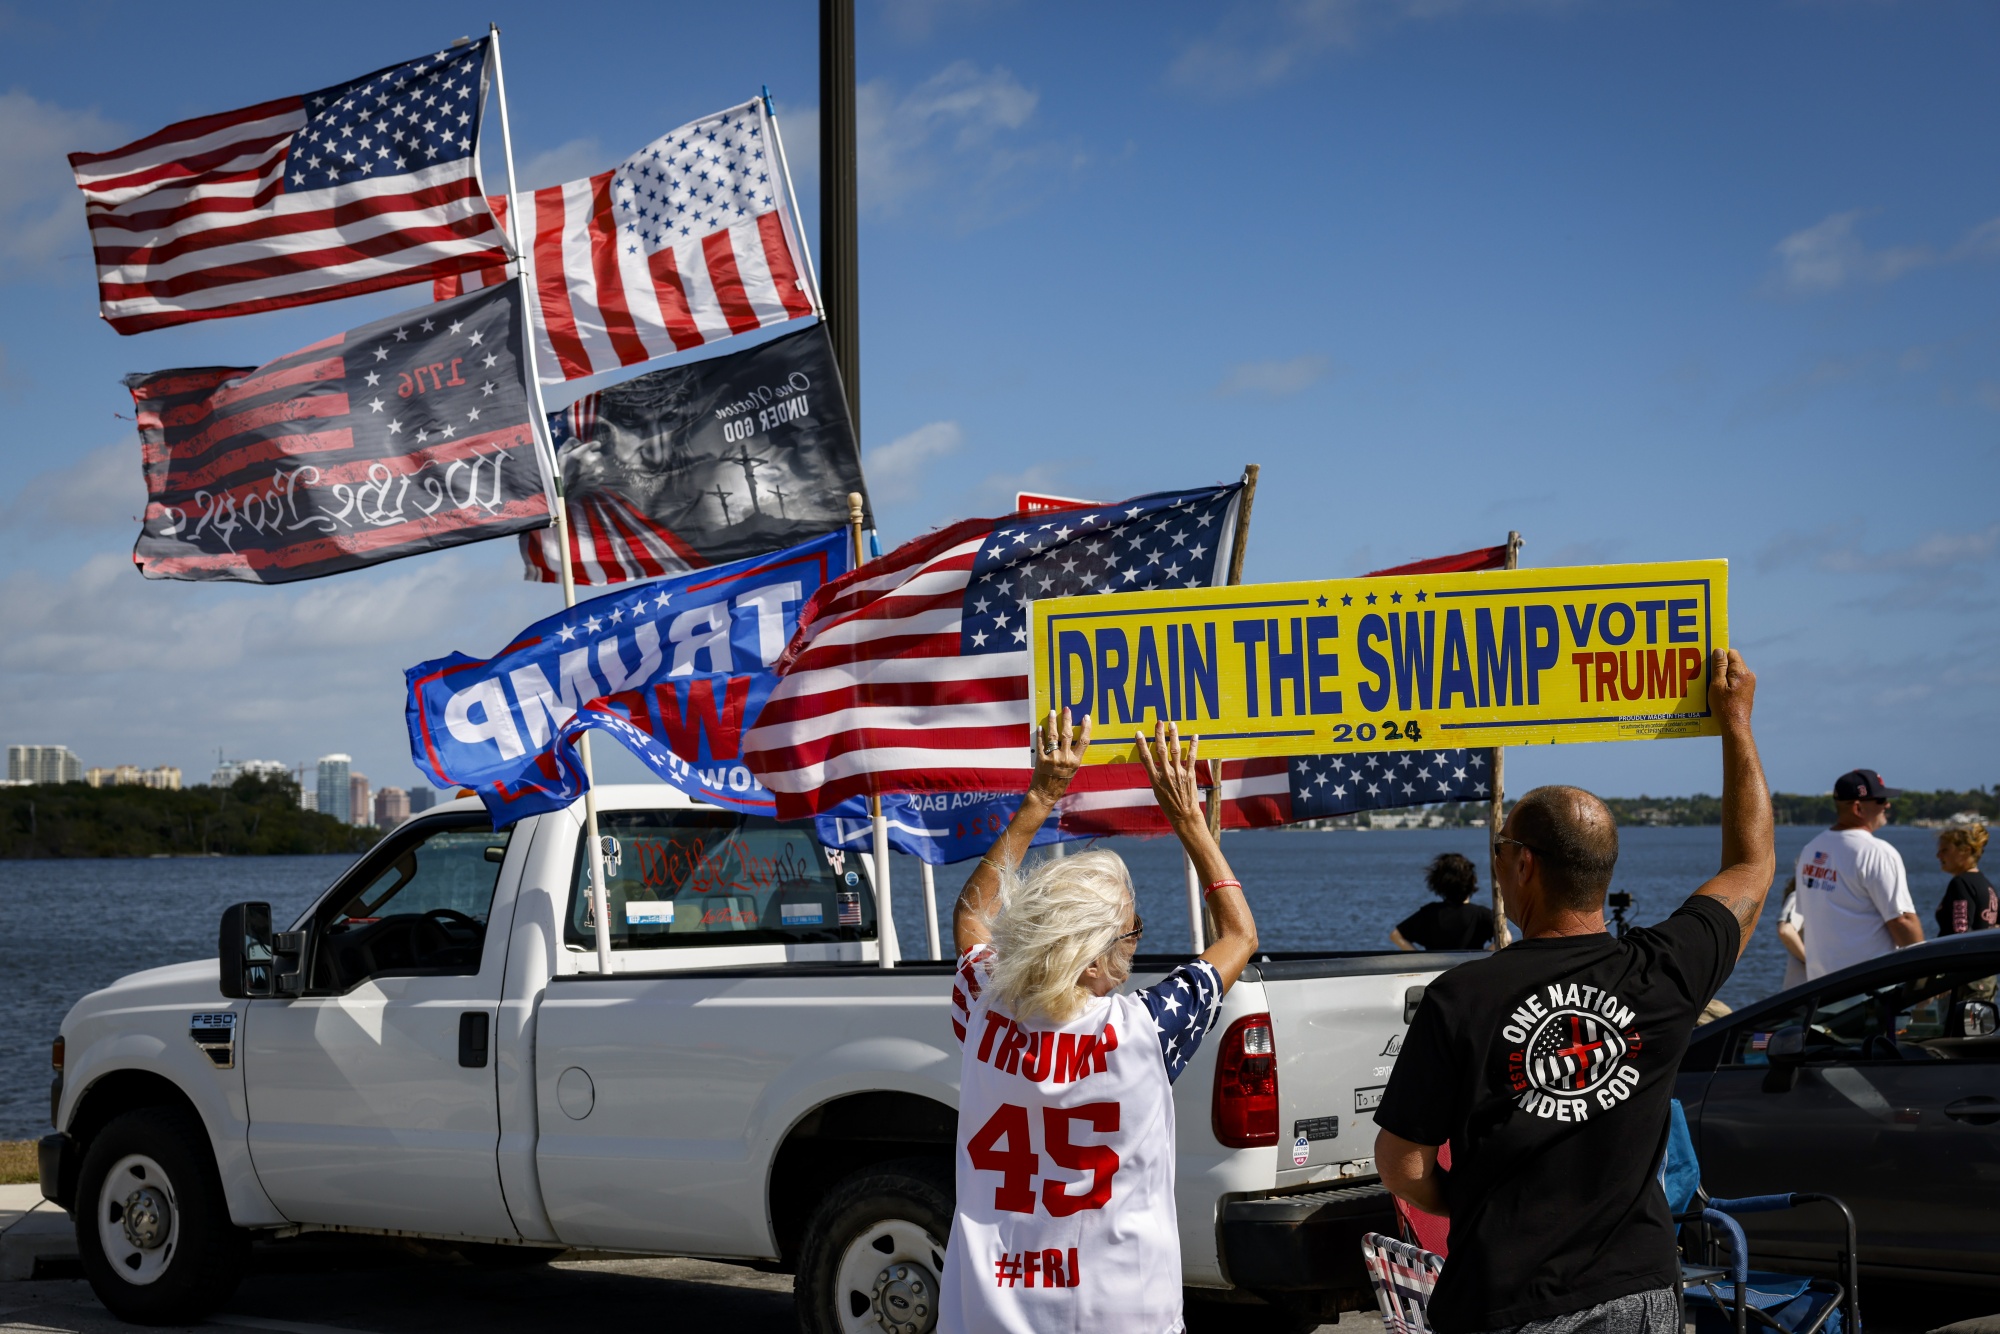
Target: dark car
{"points": [[1879, 1084]]}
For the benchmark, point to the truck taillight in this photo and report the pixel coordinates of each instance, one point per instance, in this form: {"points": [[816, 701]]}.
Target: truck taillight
{"points": [[1246, 1084]]}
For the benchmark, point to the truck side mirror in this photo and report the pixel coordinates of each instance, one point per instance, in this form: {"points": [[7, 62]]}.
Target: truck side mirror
{"points": [[244, 946], [1787, 1045]]}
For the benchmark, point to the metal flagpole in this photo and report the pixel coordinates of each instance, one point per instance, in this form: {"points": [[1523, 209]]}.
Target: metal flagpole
{"points": [[1197, 918], [885, 922], [559, 519], [838, 242], [930, 910], [1495, 810], [792, 198]]}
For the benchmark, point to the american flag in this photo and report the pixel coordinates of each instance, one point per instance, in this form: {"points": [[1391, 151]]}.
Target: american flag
{"points": [[911, 674], [683, 243], [365, 185]]}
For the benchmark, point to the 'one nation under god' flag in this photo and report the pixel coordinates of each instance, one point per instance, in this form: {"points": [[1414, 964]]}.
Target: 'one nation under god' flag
{"points": [[683, 243], [402, 436], [703, 463], [677, 670], [354, 188]]}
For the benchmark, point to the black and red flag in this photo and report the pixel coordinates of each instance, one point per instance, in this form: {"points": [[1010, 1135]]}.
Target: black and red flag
{"points": [[407, 435]]}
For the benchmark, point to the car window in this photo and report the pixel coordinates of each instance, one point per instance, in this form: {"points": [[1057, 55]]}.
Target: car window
{"points": [[703, 877], [1747, 1046], [422, 908], [1942, 1014]]}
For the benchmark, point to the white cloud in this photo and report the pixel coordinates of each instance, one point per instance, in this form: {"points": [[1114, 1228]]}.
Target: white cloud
{"points": [[104, 488], [895, 470], [572, 161], [1829, 255], [1259, 45], [1274, 379], [953, 144], [41, 213]]}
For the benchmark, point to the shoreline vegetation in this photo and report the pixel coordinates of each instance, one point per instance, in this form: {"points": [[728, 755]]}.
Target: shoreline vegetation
{"points": [[253, 817], [260, 817]]}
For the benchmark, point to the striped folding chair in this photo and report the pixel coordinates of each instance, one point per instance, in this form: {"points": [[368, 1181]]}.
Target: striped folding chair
{"points": [[1404, 1277]]}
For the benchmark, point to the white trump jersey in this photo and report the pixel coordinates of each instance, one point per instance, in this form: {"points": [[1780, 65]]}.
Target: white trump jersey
{"points": [[1065, 1160]]}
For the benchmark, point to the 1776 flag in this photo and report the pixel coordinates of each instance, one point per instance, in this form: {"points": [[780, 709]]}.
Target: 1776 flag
{"points": [[911, 674], [405, 435], [681, 244], [365, 185]]}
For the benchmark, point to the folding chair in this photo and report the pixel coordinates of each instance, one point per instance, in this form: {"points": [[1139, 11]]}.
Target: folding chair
{"points": [[1776, 1303], [1404, 1277]]}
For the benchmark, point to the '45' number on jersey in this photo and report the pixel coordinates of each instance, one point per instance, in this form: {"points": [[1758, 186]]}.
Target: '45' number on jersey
{"points": [[1005, 1144]]}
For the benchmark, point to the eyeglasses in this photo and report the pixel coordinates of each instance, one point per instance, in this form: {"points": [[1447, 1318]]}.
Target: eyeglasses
{"points": [[1138, 929], [1498, 839]]}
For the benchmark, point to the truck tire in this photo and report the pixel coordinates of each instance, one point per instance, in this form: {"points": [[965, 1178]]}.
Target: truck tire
{"points": [[152, 1226], [874, 1251]]}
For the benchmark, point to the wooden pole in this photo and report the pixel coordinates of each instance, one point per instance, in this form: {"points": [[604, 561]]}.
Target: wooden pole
{"points": [[885, 923], [1496, 807]]}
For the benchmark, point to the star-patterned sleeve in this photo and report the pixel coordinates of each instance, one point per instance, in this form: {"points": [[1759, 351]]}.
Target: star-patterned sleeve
{"points": [[975, 966], [1183, 1004]]}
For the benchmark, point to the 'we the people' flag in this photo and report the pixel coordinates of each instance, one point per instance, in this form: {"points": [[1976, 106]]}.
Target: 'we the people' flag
{"points": [[685, 242], [911, 674], [364, 185], [675, 669], [406, 435]]}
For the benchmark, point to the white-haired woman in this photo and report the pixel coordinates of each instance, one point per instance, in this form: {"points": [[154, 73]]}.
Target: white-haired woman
{"points": [[1065, 1158]]}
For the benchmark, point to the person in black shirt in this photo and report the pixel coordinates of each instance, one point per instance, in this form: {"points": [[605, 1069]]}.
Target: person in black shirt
{"points": [[1453, 924], [1969, 902], [1549, 1066]]}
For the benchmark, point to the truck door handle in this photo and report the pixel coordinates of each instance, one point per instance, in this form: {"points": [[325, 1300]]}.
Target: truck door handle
{"points": [[474, 1026], [1979, 1111]]}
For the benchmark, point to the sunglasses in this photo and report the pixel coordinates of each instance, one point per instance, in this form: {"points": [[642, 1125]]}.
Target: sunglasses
{"points": [[1138, 929], [1498, 839]]}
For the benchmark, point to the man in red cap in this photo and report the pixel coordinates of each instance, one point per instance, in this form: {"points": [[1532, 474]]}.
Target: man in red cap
{"points": [[1853, 893]]}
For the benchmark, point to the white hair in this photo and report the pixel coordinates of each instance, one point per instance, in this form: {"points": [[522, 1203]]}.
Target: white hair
{"points": [[1065, 914]]}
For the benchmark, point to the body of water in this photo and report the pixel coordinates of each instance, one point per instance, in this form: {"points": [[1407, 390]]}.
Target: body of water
{"points": [[69, 927]]}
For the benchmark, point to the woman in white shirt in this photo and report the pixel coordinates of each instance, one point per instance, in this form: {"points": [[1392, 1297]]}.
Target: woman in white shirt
{"points": [[1065, 1153]]}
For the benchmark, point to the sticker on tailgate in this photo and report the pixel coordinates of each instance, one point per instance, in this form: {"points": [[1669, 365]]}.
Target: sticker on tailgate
{"points": [[1368, 1099]]}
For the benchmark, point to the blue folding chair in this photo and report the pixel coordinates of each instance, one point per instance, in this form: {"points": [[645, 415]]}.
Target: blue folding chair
{"points": [[1776, 1303]]}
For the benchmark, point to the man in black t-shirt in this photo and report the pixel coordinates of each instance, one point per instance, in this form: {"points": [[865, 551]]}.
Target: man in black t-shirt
{"points": [[1549, 1066]]}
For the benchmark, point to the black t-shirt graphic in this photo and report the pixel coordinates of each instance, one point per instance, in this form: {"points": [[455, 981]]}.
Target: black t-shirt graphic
{"points": [[1448, 926], [1549, 1067], [1969, 904]]}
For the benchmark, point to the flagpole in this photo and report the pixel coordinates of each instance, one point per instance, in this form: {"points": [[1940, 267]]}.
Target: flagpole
{"points": [[558, 517], [1495, 808], [885, 922], [792, 198], [1197, 918], [930, 910]]}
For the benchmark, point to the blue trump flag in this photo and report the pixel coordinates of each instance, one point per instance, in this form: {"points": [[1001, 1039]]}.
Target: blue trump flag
{"points": [[676, 669], [937, 827]]}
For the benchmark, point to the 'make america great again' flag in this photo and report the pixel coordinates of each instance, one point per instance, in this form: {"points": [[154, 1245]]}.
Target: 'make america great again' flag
{"points": [[406, 435]]}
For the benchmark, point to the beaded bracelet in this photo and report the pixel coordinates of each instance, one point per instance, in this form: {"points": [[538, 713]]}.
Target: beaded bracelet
{"points": [[1219, 884]]}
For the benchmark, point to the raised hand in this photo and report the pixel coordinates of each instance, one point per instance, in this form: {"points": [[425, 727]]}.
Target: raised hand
{"points": [[1170, 767], [1059, 752]]}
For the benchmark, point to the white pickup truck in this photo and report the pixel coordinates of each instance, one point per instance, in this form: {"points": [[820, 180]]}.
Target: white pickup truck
{"points": [[431, 1052]]}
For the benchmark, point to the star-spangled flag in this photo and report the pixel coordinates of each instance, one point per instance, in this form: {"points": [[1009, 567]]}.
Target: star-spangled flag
{"points": [[911, 674], [364, 185], [683, 243]]}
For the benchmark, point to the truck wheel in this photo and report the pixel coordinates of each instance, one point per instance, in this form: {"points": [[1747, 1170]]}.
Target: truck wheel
{"points": [[152, 1227], [874, 1251]]}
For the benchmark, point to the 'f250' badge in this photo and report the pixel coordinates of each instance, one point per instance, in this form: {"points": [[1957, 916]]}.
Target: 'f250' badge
{"points": [[215, 1034]]}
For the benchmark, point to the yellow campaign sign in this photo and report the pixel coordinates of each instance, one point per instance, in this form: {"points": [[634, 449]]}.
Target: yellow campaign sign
{"points": [[1501, 657]]}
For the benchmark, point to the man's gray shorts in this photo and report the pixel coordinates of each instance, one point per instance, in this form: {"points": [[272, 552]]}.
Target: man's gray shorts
{"points": [[1655, 1312]]}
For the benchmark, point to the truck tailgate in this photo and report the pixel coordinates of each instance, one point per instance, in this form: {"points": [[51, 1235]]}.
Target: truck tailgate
{"points": [[1336, 1045]]}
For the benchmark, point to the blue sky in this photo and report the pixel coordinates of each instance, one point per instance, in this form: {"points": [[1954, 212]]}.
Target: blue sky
{"points": [[1644, 281]]}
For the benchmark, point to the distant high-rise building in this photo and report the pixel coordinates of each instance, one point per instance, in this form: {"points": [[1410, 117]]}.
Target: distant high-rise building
{"points": [[357, 799], [308, 799], [422, 798], [336, 798], [43, 764], [166, 777], [228, 771], [392, 807]]}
